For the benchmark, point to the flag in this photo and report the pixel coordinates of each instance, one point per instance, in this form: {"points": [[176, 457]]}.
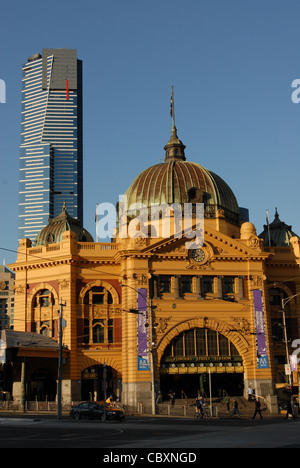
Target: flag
{"points": [[172, 104], [67, 89]]}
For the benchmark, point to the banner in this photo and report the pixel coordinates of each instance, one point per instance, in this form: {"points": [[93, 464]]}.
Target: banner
{"points": [[142, 331], [2, 351], [261, 343]]}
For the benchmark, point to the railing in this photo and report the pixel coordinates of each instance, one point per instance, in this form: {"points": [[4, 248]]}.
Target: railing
{"points": [[34, 406]]}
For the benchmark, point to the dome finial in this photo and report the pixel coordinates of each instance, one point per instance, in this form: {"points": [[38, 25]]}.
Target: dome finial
{"points": [[174, 148]]}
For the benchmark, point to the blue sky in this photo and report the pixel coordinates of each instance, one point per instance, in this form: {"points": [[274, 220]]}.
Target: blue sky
{"points": [[232, 63]]}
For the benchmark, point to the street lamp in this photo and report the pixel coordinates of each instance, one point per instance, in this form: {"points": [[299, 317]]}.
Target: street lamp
{"points": [[151, 347], [284, 301], [283, 304], [60, 359]]}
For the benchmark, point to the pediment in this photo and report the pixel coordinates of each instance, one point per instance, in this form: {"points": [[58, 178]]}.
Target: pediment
{"points": [[216, 246]]}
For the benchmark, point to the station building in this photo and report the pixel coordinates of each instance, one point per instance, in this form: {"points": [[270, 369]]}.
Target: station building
{"points": [[155, 311]]}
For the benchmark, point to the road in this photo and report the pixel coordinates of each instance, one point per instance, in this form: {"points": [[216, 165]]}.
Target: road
{"points": [[148, 433]]}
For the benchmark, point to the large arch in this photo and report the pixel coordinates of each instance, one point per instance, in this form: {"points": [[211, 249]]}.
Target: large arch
{"points": [[91, 373], [236, 337], [183, 373]]}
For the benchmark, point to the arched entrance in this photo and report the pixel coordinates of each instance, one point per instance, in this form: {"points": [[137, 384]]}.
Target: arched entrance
{"points": [[42, 385], [199, 359], [94, 380]]}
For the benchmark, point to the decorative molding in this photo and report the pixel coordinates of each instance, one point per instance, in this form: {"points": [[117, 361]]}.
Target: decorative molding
{"points": [[242, 325], [64, 284], [163, 323], [19, 289]]}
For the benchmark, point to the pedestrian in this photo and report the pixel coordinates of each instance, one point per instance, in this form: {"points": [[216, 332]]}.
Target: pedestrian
{"points": [[250, 393], [172, 397], [199, 407], [289, 409], [227, 401], [257, 409], [235, 408]]}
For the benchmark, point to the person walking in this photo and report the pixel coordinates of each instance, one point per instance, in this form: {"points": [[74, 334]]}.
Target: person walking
{"points": [[199, 407], [235, 408], [227, 401], [250, 393], [289, 410], [172, 397], [257, 409]]}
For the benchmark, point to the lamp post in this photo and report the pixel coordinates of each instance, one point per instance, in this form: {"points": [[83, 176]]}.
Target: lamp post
{"points": [[283, 304], [60, 360], [151, 347]]}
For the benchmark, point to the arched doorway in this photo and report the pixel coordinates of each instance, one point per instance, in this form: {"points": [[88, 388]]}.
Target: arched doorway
{"points": [[42, 385], [201, 359], [94, 380]]}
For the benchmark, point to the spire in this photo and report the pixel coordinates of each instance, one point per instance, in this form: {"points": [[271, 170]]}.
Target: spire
{"points": [[174, 148]]}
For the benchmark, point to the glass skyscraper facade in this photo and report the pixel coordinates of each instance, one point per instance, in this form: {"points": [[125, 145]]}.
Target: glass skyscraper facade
{"points": [[51, 140]]}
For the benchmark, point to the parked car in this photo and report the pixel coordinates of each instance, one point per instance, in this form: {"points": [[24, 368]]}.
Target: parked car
{"points": [[94, 410]]}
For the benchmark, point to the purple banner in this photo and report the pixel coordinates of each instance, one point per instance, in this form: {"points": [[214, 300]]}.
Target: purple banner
{"points": [[261, 343], [142, 331]]}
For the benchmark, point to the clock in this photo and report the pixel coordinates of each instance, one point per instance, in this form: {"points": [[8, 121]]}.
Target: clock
{"points": [[198, 255]]}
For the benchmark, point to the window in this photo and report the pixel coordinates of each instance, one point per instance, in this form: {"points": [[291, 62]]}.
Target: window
{"points": [[97, 327], [46, 328], [277, 329], [98, 331], [186, 284], [103, 331], [200, 343], [178, 346], [228, 284], [86, 331], [164, 284], [276, 295], [98, 296], [208, 284], [44, 298]]}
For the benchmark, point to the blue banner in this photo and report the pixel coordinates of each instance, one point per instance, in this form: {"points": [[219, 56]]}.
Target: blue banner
{"points": [[143, 363]]}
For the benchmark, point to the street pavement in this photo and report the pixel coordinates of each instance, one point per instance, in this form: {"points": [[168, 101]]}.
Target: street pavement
{"points": [[149, 433]]}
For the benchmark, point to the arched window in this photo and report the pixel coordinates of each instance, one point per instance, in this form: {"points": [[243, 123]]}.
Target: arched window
{"points": [[276, 295], [98, 296], [200, 343], [44, 298], [103, 331], [97, 322]]}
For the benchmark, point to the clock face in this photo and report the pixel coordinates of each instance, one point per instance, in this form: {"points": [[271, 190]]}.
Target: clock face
{"points": [[198, 255]]}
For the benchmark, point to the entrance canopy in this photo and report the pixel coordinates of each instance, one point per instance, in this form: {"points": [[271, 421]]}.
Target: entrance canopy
{"points": [[15, 344]]}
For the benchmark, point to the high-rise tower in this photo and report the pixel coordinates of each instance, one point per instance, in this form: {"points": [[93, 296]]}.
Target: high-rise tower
{"points": [[51, 139]]}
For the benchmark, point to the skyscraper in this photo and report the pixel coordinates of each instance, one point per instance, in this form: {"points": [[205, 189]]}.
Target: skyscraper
{"points": [[51, 139]]}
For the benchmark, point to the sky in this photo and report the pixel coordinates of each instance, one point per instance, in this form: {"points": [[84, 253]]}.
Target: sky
{"points": [[232, 64]]}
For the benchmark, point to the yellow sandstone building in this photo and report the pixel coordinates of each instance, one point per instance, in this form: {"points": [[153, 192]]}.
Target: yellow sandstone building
{"points": [[212, 311]]}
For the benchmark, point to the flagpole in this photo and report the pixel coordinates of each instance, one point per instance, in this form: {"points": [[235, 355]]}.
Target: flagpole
{"points": [[96, 221], [172, 107], [268, 224]]}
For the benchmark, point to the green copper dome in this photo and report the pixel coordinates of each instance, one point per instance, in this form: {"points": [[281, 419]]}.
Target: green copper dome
{"points": [[53, 232], [277, 233], [179, 181]]}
